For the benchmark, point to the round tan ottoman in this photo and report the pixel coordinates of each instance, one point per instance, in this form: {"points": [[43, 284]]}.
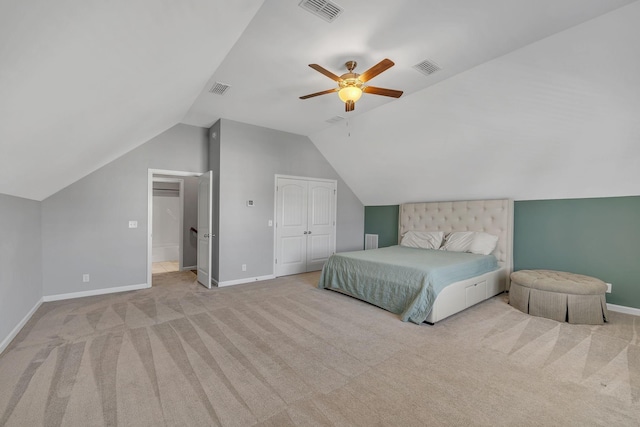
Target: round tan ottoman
{"points": [[559, 295]]}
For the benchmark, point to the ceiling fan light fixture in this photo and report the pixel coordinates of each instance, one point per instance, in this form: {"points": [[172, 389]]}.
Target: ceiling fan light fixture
{"points": [[351, 84], [350, 93]]}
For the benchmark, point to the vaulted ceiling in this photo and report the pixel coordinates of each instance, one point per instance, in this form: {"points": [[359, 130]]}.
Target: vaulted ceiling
{"points": [[83, 82], [535, 99], [559, 118]]}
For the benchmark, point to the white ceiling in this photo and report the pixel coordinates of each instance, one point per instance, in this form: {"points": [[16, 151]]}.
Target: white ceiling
{"points": [[559, 118], [268, 67], [81, 83]]}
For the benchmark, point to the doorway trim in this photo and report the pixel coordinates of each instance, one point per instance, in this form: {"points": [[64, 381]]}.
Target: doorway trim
{"points": [[150, 179]]}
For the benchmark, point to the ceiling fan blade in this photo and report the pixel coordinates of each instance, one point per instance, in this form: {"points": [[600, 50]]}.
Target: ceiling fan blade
{"points": [[326, 72], [382, 91], [324, 92], [381, 66]]}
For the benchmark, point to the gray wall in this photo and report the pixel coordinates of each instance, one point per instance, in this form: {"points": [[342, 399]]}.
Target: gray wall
{"points": [[250, 157], [20, 260], [85, 226]]}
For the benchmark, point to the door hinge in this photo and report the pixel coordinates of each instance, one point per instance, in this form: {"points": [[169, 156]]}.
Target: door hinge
{"points": [[276, 260], [334, 191]]}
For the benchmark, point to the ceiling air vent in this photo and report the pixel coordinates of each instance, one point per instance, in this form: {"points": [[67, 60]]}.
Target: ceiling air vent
{"points": [[427, 67], [219, 88], [322, 8], [335, 119]]}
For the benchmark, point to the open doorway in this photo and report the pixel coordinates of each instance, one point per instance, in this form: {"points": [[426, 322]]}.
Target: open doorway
{"points": [[167, 226], [172, 221]]}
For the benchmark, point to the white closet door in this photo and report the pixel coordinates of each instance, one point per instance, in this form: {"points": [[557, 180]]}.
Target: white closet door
{"points": [[305, 224], [320, 223], [291, 223]]}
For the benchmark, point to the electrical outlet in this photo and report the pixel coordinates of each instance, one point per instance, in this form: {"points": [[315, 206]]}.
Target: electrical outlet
{"points": [[133, 224], [609, 288], [270, 223], [244, 267], [85, 278]]}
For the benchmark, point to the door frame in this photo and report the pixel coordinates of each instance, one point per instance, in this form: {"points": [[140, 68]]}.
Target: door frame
{"points": [[275, 210], [150, 179], [205, 229]]}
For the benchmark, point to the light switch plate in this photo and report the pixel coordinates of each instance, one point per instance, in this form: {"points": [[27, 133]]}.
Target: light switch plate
{"points": [[133, 224]]}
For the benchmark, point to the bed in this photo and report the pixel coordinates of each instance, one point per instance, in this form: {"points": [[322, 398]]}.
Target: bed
{"points": [[430, 285]]}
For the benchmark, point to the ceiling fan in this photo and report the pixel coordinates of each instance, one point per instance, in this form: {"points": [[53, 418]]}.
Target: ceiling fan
{"points": [[351, 85]]}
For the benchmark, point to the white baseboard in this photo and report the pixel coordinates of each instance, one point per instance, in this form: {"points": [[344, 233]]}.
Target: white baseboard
{"points": [[5, 342], [245, 280], [623, 309], [93, 292], [191, 267]]}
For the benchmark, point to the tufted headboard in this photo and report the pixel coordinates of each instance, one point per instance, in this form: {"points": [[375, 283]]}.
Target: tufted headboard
{"points": [[490, 216]]}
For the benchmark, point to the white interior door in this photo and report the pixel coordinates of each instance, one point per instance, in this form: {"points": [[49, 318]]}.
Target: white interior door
{"points": [[291, 227], [320, 223], [305, 224], [204, 229]]}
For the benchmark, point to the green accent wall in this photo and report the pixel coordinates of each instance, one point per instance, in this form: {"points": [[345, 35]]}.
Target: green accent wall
{"points": [[599, 237], [383, 221]]}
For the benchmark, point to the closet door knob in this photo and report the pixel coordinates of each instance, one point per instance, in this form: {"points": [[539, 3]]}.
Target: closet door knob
{"points": [[304, 232], [309, 232]]}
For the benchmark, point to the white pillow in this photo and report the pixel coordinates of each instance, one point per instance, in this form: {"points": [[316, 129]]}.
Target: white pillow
{"points": [[483, 243], [459, 241], [422, 239]]}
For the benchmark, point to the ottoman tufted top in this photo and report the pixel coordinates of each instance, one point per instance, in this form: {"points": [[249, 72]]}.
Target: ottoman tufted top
{"points": [[559, 281]]}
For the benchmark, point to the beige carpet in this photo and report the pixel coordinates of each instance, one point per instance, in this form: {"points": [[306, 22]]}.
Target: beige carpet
{"points": [[282, 352]]}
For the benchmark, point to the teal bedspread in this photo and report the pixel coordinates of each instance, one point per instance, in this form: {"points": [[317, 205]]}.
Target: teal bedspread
{"points": [[404, 281]]}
